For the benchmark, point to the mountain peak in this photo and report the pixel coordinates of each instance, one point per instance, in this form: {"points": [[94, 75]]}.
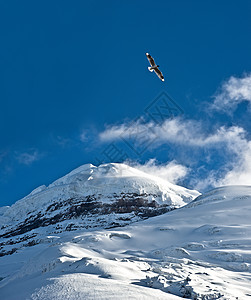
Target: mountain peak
{"points": [[109, 195]]}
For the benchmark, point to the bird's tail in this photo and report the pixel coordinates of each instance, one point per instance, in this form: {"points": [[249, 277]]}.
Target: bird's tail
{"points": [[150, 69]]}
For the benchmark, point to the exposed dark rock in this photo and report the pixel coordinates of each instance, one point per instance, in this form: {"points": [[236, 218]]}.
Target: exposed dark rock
{"points": [[82, 212], [73, 208]]}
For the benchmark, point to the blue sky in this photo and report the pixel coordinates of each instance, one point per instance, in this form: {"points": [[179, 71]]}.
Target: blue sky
{"points": [[74, 84]]}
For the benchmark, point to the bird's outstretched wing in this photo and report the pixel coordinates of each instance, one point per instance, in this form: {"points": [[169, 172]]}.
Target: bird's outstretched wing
{"points": [[158, 72], [151, 60]]}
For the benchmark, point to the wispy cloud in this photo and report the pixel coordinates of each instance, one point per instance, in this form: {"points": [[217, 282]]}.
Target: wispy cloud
{"points": [[170, 171], [29, 157], [232, 92], [230, 143], [176, 131], [237, 171], [240, 172]]}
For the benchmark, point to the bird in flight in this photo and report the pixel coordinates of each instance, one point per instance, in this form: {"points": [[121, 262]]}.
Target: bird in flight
{"points": [[154, 67]]}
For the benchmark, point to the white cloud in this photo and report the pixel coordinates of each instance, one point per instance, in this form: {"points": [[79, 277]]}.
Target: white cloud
{"points": [[27, 158], [123, 130], [240, 173], [236, 171], [233, 91], [230, 142], [177, 131], [171, 171]]}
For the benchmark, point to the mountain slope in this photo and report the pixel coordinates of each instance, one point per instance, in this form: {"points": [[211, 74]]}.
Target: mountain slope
{"points": [[88, 197], [199, 251]]}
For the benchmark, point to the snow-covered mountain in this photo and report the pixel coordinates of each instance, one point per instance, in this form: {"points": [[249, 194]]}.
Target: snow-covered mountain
{"points": [[96, 250], [106, 196]]}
